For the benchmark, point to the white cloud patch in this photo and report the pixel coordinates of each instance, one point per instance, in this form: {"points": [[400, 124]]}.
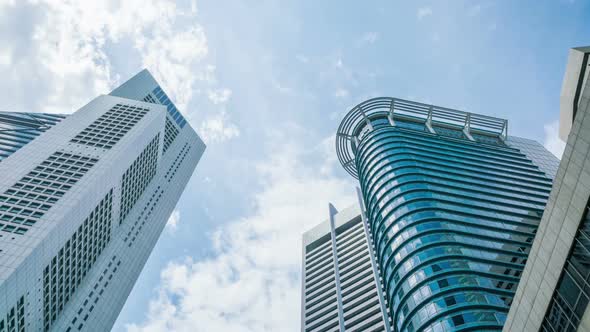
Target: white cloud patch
{"points": [[5, 57], [219, 96], [423, 12], [370, 37], [171, 56], [341, 93], [173, 221], [552, 141], [55, 50], [60, 50], [218, 128], [474, 10], [252, 281], [302, 58]]}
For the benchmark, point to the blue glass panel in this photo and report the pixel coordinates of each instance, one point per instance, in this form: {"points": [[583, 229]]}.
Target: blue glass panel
{"points": [[164, 100], [18, 129], [452, 222]]}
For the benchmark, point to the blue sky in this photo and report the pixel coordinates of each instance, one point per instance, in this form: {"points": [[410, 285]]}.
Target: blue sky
{"points": [[266, 83]]}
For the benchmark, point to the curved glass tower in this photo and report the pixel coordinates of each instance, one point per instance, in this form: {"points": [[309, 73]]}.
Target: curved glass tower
{"points": [[452, 209]]}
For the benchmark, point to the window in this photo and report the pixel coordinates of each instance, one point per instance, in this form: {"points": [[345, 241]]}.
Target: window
{"points": [[458, 320], [449, 132], [27, 200], [162, 98], [137, 177], [110, 127], [450, 301], [170, 133], [572, 292], [67, 269], [177, 162]]}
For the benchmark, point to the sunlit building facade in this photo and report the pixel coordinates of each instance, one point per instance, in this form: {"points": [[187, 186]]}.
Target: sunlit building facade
{"points": [[83, 200], [554, 292], [340, 289], [452, 205]]}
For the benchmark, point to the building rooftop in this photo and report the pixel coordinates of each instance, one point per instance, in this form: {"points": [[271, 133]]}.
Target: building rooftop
{"points": [[435, 119]]}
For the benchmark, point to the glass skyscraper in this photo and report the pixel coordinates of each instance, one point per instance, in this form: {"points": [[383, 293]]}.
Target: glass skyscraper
{"points": [[83, 200], [452, 205]]}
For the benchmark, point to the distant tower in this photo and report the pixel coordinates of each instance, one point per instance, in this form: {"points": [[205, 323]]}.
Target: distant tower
{"points": [[341, 290], [83, 200]]}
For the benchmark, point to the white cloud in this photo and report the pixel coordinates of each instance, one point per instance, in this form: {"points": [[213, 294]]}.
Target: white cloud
{"points": [[60, 50], [5, 57], [302, 58], [282, 88], [435, 37], [173, 221], [53, 50], [218, 128], [172, 57], [474, 10], [341, 93], [370, 37], [338, 63], [552, 141], [252, 282], [219, 96], [423, 12]]}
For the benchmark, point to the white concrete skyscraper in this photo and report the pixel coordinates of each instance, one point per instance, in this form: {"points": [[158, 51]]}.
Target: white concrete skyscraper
{"points": [[83, 200]]}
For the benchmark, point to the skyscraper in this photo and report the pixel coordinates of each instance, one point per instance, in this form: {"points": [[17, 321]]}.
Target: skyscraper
{"points": [[451, 205], [554, 293], [83, 200], [340, 287]]}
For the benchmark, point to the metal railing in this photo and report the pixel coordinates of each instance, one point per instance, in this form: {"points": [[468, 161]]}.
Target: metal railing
{"points": [[359, 117]]}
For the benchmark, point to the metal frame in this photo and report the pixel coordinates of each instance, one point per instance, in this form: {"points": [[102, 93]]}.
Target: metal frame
{"points": [[332, 210], [27, 121], [374, 267], [360, 116]]}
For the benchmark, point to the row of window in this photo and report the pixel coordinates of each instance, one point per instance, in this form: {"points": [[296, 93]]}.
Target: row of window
{"points": [[110, 127], [69, 267], [137, 177], [164, 100], [18, 129], [454, 132], [144, 216], [572, 294], [23, 204], [170, 133], [170, 130], [94, 296], [15, 318], [360, 298], [395, 172], [177, 162]]}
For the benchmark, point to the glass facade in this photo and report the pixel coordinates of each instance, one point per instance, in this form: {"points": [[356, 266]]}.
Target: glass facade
{"points": [[18, 129], [571, 295], [164, 100], [452, 215]]}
